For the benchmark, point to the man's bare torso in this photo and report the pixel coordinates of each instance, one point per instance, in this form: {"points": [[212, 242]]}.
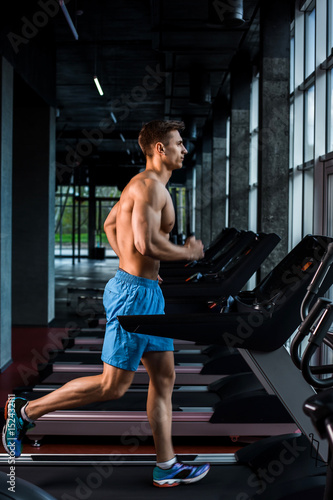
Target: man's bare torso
{"points": [[130, 259]]}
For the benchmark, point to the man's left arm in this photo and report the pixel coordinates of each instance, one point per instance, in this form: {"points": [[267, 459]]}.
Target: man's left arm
{"points": [[110, 228]]}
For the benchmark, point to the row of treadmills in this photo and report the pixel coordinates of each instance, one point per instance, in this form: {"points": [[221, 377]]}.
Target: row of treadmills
{"points": [[234, 375], [216, 393]]}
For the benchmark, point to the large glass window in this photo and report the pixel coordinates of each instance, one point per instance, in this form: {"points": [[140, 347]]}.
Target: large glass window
{"points": [[308, 201], [71, 219], [106, 198], [254, 144], [309, 115], [227, 173], [292, 64], [329, 211], [310, 42], [329, 27], [329, 146]]}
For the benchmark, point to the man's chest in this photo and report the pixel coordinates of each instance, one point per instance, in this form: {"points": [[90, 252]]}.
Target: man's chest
{"points": [[168, 216]]}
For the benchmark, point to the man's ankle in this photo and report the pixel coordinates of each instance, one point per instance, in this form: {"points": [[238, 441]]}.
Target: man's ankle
{"points": [[25, 413], [168, 464]]}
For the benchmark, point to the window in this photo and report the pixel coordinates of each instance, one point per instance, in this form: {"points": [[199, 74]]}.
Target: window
{"points": [[329, 146], [105, 198], [292, 63], [291, 168], [71, 207], [310, 42], [309, 115], [329, 27], [254, 144], [307, 201], [227, 173], [307, 198]]}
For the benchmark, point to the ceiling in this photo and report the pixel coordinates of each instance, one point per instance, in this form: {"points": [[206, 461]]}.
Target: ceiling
{"points": [[154, 59]]}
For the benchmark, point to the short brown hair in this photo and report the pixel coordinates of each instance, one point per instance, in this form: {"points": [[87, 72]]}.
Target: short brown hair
{"points": [[157, 131]]}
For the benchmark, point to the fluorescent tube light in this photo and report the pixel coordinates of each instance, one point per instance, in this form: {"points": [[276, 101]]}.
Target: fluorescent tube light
{"points": [[122, 137], [113, 117], [68, 19], [98, 85]]}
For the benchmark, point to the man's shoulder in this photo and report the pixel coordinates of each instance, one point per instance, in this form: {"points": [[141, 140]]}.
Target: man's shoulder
{"points": [[141, 184]]}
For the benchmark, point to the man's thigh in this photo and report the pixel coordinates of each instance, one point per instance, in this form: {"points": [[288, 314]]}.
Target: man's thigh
{"points": [[160, 366]]}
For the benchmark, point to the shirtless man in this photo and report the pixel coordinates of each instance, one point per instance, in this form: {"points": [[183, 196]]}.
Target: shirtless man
{"points": [[137, 228]]}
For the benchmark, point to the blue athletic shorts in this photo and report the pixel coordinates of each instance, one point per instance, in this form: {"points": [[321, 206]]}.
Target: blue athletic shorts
{"points": [[126, 294]]}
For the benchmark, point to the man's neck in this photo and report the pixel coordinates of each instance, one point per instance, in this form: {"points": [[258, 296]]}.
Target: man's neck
{"points": [[159, 169]]}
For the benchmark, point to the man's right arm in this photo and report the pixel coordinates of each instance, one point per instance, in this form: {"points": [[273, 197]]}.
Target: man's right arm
{"points": [[149, 201]]}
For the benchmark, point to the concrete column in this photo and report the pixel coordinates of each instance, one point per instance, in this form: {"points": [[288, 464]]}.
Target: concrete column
{"points": [[33, 212], [206, 183], [274, 125], [219, 154], [6, 148], [239, 142], [198, 190]]}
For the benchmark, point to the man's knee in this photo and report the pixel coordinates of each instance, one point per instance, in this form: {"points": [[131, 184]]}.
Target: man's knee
{"points": [[112, 391], [165, 380]]}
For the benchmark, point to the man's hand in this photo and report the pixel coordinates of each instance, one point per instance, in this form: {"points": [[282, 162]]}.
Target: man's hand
{"points": [[196, 248]]}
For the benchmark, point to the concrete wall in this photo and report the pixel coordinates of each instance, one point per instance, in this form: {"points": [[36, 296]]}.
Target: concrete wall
{"points": [[274, 126], [33, 215], [239, 142]]}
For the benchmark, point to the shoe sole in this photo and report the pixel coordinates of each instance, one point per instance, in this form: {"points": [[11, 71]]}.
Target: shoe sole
{"points": [[168, 483]]}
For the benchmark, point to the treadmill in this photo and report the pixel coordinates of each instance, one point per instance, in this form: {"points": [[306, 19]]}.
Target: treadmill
{"points": [[241, 263], [218, 245], [226, 251]]}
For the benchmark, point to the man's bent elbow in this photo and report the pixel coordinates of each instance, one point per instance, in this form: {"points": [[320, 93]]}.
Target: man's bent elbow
{"points": [[105, 227], [144, 248]]}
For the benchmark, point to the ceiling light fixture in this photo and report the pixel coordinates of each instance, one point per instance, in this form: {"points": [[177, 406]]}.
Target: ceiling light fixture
{"points": [[98, 85], [122, 137], [68, 19], [113, 117]]}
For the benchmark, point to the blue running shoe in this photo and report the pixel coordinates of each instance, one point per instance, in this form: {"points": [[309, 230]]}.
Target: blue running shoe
{"points": [[15, 427], [179, 474]]}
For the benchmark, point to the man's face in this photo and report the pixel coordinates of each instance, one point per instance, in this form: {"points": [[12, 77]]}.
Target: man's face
{"points": [[175, 151]]}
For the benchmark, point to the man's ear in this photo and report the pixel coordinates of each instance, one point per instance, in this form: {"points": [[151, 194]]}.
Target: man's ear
{"points": [[160, 148]]}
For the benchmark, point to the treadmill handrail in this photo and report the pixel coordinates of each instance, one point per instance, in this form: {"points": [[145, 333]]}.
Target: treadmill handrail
{"points": [[317, 280], [315, 341], [305, 328]]}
